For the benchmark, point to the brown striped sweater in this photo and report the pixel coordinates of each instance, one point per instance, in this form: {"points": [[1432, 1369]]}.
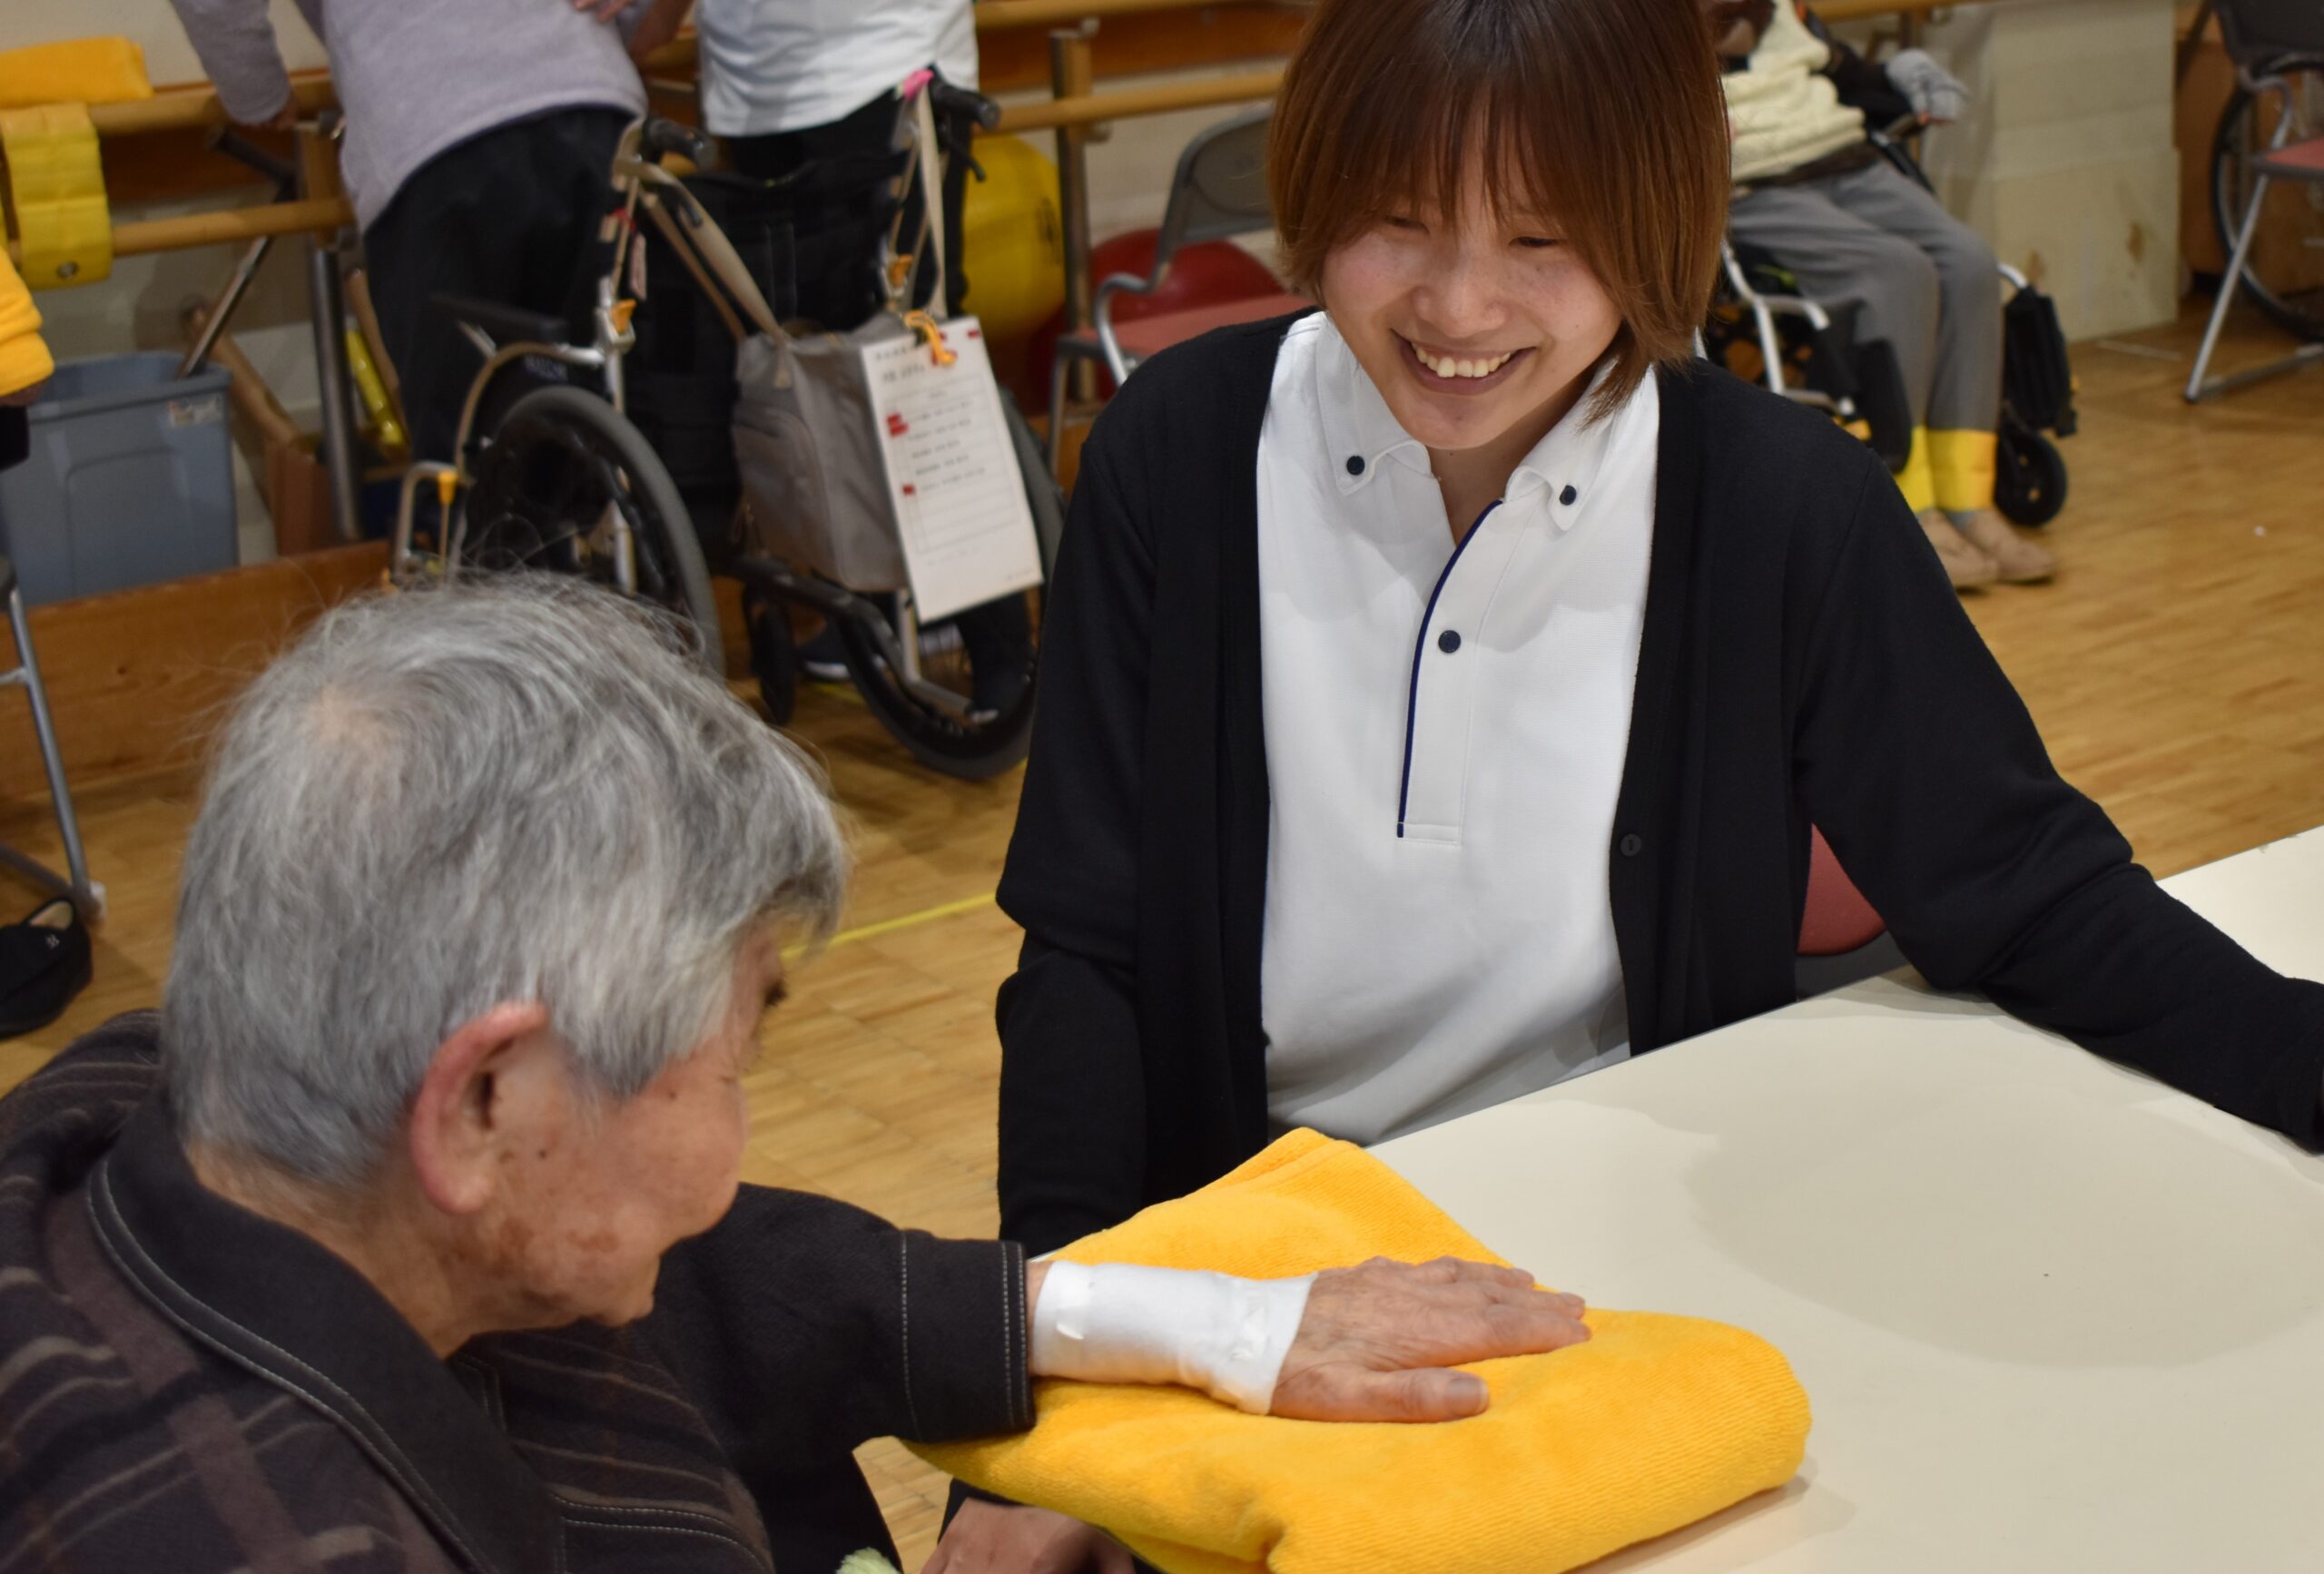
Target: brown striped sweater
{"points": [[186, 1386]]}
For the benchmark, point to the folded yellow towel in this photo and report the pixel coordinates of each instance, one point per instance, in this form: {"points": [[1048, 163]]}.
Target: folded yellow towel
{"points": [[1655, 1423], [73, 71]]}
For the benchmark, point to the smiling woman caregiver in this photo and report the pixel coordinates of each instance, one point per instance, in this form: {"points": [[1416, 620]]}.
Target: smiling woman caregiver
{"points": [[1437, 689]]}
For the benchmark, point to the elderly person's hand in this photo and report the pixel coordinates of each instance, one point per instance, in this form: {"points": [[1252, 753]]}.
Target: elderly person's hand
{"points": [[28, 395], [1936, 95], [1371, 1343], [1378, 1340], [1374, 1342]]}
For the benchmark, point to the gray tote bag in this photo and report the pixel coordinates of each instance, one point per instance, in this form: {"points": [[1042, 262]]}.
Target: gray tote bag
{"points": [[808, 447]]}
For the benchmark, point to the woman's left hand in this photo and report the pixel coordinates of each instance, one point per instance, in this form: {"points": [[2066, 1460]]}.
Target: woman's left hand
{"points": [[987, 1537]]}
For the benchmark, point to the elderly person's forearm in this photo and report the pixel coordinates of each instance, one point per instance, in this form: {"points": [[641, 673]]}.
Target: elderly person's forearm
{"points": [[235, 41], [1371, 1343]]}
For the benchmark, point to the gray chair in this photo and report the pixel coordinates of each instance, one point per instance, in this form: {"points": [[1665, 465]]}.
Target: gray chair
{"points": [[26, 674], [2277, 46], [1219, 192]]}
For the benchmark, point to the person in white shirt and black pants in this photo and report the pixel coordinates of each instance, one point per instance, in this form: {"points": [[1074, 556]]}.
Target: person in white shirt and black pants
{"points": [[803, 92]]}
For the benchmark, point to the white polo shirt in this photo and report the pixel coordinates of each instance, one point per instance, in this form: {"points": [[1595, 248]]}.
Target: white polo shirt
{"points": [[1445, 734], [782, 66]]}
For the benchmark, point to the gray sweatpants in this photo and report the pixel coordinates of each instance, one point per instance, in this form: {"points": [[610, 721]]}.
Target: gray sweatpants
{"points": [[1925, 281]]}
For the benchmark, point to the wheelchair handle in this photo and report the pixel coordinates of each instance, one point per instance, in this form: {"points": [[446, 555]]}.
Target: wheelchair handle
{"points": [[667, 136], [966, 102]]}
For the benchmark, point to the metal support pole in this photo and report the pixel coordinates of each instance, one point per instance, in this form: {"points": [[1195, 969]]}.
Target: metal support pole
{"points": [[86, 896], [214, 322], [1072, 74], [326, 303]]}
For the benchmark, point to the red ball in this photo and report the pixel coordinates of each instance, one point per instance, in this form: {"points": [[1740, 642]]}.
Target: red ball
{"points": [[1201, 275]]}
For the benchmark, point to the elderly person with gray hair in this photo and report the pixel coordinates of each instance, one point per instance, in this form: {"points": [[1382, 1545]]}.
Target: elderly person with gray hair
{"points": [[408, 1236]]}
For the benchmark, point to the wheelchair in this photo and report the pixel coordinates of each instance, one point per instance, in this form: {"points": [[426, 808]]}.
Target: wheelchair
{"points": [[554, 474], [1764, 328]]}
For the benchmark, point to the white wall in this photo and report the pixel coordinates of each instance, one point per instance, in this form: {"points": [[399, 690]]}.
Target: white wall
{"points": [[152, 24], [2066, 162]]}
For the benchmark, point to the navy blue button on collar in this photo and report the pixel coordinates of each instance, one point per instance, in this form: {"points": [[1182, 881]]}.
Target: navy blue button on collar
{"points": [[1355, 464]]}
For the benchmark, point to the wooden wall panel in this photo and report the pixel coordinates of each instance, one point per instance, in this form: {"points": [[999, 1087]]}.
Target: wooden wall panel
{"points": [[134, 678]]}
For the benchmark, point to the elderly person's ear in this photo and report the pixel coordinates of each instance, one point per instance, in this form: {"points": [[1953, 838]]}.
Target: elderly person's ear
{"points": [[496, 1086]]}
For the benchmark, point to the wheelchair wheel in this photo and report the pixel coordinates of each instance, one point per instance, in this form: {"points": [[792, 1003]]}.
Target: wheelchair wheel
{"points": [[567, 485], [1041, 490], [2285, 272], [967, 742], [2029, 475]]}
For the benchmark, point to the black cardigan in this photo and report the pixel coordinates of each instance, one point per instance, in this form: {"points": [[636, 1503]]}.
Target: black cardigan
{"points": [[1803, 660]]}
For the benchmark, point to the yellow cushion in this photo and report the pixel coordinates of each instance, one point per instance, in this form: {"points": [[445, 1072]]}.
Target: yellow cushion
{"points": [[23, 357], [1655, 1423], [57, 183], [76, 70]]}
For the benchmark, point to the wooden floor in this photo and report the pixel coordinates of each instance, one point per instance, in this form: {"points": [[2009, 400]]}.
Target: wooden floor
{"points": [[2176, 667]]}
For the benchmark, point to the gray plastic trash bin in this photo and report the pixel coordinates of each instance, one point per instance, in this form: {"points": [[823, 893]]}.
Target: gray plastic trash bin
{"points": [[131, 479]]}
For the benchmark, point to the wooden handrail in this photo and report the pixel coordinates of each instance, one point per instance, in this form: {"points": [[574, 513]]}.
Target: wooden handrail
{"points": [[1129, 103], [235, 224], [191, 108], [1860, 10], [227, 225], [195, 108], [1000, 16]]}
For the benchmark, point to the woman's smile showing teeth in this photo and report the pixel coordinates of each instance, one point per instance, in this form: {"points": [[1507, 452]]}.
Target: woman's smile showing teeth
{"points": [[1446, 366], [1459, 373]]}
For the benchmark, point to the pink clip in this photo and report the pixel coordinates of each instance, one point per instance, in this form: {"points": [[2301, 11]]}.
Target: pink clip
{"points": [[914, 83]]}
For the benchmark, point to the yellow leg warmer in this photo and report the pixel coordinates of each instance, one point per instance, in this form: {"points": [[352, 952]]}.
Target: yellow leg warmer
{"points": [[1917, 480], [1963, 464]]}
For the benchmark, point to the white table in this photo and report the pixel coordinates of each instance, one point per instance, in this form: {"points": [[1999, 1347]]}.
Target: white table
{"points": [[2051, 1315]]}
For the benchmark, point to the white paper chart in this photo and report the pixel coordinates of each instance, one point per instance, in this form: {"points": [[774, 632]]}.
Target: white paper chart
{"points": [[968, 531]]}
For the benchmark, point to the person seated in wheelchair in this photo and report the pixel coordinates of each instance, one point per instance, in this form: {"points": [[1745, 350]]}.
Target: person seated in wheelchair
{"points": [[806, 98], [408, 1236], [1815, 192]]}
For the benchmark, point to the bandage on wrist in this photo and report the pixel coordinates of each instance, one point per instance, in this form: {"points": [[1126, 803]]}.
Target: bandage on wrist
{"points": [[1116, 1322]]}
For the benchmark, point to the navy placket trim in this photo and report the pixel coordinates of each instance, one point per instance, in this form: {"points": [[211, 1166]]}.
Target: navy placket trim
{"points": [[1420, 653]]}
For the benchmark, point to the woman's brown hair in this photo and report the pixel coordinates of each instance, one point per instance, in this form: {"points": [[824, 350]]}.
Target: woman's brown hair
{"points": [[1604, 117]]}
